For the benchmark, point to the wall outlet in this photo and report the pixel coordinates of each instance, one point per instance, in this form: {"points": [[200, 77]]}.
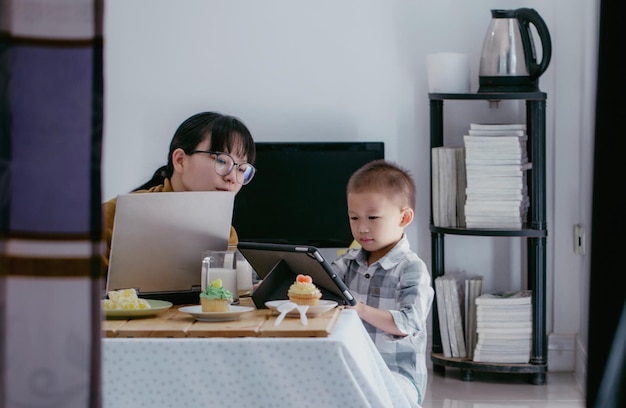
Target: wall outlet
{"points": [[579, 239]]}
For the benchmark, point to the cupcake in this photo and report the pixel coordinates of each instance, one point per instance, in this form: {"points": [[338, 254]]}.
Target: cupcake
{"points": [[304, 292], [214, 298]]}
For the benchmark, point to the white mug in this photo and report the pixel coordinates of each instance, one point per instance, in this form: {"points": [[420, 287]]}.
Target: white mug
{"points": [[244, 274], [448, 72]]}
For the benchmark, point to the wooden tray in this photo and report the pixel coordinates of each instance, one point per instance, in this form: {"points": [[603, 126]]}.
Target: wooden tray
{"points": [[247, 325], [259, 323], [320, 326]]}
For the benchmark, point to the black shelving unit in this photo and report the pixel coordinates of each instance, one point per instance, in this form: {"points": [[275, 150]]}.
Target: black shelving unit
{"points": [[534, 231]]}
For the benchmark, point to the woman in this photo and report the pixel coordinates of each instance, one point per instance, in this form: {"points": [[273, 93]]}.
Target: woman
{"points": [[209, 152]]}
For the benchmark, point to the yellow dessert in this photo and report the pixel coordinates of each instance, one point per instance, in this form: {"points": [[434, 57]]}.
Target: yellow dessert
{"points": [[124, 299], [214, 298], [304, 292]]}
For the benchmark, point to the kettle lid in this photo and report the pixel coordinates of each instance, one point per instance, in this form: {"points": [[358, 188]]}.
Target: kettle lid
{"points": [[499, 13]]}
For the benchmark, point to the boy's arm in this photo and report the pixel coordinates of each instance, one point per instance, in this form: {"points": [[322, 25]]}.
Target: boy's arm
{"points": [[416, 291], [378, 318]]}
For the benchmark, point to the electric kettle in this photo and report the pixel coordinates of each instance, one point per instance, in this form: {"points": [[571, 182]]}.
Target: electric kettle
{"points": [[508, 62]]}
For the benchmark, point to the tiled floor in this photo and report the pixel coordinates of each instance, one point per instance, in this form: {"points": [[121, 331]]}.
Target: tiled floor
{"points": [[489, 390]]}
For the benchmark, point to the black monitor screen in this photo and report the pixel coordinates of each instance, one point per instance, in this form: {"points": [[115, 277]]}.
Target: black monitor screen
{"points": [[298, 194]]}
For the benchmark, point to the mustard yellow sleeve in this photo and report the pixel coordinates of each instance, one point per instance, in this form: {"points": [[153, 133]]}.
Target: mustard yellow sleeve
{"points": [[233, 240], [108, 213]]}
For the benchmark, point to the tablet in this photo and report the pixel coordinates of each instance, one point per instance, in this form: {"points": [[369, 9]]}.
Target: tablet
{"points": [[278, 265]]}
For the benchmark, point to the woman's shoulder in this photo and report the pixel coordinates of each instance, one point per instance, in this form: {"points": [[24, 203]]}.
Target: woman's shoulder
{"points": [[159, 188], [109, 206]]}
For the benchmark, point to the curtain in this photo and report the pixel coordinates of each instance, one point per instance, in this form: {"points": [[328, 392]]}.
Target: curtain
{"points": [[606, 356], [51, 108]]}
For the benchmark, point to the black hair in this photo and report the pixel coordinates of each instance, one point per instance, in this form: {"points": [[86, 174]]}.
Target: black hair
{"points": [[387, 176], [225, 131]]}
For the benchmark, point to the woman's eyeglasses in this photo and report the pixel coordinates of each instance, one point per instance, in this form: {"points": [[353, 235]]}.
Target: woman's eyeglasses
{"points": [[224, 164]]}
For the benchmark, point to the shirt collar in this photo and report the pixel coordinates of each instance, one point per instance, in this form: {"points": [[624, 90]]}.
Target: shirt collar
{"points": [[389, 261], [167, 188]]}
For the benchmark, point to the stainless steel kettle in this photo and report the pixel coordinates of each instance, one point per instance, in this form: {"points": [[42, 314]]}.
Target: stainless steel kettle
{"points": [[508, 62]]}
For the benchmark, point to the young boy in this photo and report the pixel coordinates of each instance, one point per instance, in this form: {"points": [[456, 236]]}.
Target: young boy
{"points": [[390, 282]]}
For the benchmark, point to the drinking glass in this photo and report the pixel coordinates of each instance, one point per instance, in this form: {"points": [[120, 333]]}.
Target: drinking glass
{"points": [[221, 265]]}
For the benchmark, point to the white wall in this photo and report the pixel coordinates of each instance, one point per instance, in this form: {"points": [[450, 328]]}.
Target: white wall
{"points": [[329, 70]]}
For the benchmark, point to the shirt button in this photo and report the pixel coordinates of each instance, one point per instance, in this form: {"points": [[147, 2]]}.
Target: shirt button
{"points": [[367, 275]]}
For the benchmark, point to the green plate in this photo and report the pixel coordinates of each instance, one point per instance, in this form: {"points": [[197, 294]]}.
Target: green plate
{"points": [[156, 306]]}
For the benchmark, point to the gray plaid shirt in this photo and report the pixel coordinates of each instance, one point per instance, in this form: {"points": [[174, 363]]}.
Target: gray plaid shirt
{"points": [[400, 283]]}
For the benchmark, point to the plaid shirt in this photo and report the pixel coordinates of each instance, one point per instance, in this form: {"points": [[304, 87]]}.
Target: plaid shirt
{"points": [[400, 283]]}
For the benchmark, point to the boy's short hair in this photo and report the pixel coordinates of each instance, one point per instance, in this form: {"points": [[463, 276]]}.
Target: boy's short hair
{"points": [[382, 175]]}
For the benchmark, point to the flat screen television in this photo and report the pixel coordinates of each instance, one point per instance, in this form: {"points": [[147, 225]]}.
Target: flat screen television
{"points": [[298, 195]]}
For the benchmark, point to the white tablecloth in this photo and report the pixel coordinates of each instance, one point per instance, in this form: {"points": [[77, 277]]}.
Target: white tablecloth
{"points": [[342, 370]]}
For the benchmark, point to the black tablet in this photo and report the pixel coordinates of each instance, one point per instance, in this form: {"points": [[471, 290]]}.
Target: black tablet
{"points": [[278, 265]]}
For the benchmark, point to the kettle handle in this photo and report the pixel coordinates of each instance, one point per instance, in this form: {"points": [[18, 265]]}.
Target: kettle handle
{"points": [[525, 17]]}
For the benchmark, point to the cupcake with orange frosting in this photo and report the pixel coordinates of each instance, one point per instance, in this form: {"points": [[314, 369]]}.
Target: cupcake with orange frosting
{"points": [[304, 292], [214, 298]]}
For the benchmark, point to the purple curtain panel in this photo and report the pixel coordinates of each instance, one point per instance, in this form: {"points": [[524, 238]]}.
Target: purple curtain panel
{"points": [[51, 108]]}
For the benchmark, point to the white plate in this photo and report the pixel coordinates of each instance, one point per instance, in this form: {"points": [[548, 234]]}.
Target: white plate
{"points": [[232, 314], [156, 306], [322, 307]]}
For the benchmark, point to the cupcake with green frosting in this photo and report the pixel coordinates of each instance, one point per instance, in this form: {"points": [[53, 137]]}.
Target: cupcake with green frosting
{"points": [[214, 298]]}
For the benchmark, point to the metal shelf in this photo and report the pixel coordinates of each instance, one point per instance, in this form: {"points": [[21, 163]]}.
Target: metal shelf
{"points": [[468, 367], [489, 96], [524, 232], [535, 232]]}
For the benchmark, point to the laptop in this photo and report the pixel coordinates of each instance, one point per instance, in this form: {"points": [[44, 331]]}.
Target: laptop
{"points": [[278, 265], [158, 239]]}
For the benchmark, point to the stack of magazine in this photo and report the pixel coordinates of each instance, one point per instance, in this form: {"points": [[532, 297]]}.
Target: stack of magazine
{"points": [[456, 309], [448, 186], [495, 164], [504, 327]]}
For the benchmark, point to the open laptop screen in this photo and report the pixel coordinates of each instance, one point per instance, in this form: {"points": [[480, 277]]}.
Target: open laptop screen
{"points": [[158, 239]]}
